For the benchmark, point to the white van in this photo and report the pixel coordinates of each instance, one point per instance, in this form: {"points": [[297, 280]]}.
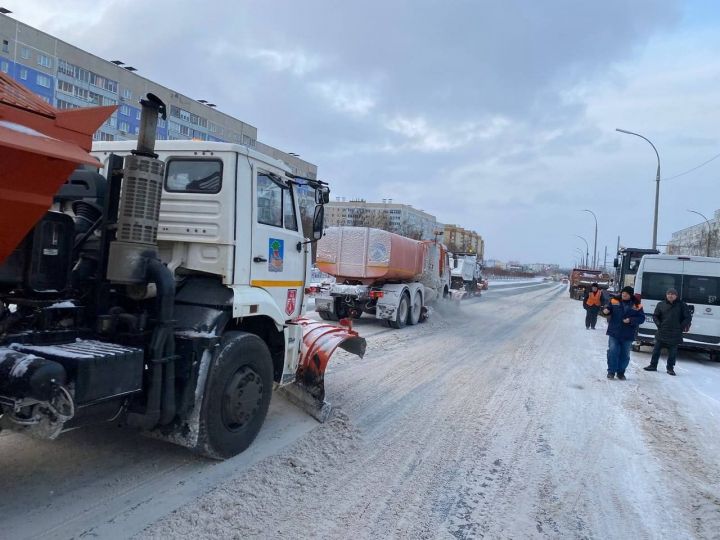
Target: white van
{"points": [[697, 280]]}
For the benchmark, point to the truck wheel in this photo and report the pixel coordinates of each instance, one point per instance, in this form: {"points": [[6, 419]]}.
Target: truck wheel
{"points": [[341, 310], [327, 316], [415, 309], [401, 316], [237, 396]]}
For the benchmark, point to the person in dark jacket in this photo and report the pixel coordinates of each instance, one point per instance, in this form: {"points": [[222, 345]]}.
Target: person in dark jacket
{"points": [[592, 302], [625, 313], [672, 317]]}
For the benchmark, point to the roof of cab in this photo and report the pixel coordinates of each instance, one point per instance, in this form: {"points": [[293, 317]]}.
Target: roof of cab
{"points": [[191, 146], [666, 257]]}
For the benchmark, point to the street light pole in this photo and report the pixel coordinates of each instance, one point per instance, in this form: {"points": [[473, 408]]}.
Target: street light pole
{"points": [[657, 183], [595, 244], [707, 251], [587, 249]]}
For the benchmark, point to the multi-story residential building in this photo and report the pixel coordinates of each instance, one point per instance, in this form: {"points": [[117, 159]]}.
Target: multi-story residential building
{"points": [[698, 239], [400, 218], [68, 77], [463, 240]]}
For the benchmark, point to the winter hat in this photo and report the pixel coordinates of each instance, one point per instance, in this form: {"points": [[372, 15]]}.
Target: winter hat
{"points": [[672, 290], [628, 290], [595, 285]]}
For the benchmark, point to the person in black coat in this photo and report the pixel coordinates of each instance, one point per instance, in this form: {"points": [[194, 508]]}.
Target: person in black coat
{"points": [[672, 317]]}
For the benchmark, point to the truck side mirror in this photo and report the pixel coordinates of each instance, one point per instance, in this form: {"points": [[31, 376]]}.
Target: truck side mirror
{"points": [[322, 195], [616, 263], [318, 222]]}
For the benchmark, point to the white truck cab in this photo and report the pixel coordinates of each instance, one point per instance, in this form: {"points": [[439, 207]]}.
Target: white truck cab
{"points": [[210, 191]]}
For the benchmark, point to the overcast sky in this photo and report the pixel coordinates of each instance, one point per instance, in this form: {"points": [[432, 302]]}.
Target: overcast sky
{"points": [[496, 116]]}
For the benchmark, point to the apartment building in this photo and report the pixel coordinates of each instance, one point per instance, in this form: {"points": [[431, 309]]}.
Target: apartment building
{"points": [[400, 218], [68, 77], [463, 240], [698, 239]]}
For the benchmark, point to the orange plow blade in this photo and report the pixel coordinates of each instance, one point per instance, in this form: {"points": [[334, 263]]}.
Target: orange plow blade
{"points": [[320, 341]]}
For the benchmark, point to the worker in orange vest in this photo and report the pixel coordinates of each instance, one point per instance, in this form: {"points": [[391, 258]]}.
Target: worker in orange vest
{"points": [[592, 302]]}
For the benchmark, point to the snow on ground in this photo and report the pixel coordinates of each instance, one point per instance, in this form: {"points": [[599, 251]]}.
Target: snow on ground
{"points": [[495, 420]]}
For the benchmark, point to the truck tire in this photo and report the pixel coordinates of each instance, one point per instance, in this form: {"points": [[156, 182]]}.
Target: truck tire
{"points": [[341, 310], [401, 315], [415, 309], [327, 315], [237, 396]]}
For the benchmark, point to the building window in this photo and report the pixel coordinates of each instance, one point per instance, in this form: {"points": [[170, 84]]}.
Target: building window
{"points": [[161, 122], [4, 67], [23, 74], [112, 122], [62, 104], [44, 61], [127, 93], [124, 126], [124, 110], [6, 46], [44, 80], [24, 53]]}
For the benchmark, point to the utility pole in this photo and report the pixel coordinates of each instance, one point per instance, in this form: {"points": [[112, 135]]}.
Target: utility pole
{"points": [[595, 253], [707, 251], [657, 182], [605, 261]]}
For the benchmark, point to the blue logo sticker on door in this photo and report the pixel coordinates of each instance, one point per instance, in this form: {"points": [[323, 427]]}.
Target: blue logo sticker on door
{"points": [[276, 254]]}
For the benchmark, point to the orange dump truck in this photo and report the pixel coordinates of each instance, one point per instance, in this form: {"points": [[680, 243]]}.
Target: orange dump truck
{"points": [[581, 279], [382, 274]]}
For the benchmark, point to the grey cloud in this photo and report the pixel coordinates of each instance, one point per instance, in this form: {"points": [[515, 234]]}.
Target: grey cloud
{"points": [[474, 111]]}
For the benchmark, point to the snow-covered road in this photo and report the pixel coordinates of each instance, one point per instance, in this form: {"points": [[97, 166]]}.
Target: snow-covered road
{"points": [[493, 420]]}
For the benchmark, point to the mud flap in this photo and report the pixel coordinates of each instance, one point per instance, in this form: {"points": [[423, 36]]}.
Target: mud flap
{"points": [[319, 343]]}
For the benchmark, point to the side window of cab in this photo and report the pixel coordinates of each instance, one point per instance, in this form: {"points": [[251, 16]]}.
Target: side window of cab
{"points": [[275, 203]]}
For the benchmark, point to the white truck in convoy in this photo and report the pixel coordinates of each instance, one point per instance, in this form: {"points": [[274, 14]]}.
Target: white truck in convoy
{"points": [[466, 272], [161, 288]]}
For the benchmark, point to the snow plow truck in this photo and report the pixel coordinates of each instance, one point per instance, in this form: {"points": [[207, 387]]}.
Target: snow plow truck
{"points": [[382, 274], [158, 285], [466, 274]]}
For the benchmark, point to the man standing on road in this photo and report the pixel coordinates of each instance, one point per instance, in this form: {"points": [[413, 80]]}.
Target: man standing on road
{"points": [[624, 314], [672, 317], [591, 302]]}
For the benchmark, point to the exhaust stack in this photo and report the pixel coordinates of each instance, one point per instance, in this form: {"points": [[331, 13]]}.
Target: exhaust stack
{"points": [[136, 238]]}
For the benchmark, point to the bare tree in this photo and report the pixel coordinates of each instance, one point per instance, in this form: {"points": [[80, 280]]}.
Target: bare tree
{"points": [[409, 230]]}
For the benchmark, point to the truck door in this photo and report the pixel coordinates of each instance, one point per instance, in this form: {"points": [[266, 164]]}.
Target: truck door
{"points": [[278, 265]]}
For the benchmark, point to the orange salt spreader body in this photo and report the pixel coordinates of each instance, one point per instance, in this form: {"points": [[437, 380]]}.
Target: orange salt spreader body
{"points": [[40, 146], [367, 255]]}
